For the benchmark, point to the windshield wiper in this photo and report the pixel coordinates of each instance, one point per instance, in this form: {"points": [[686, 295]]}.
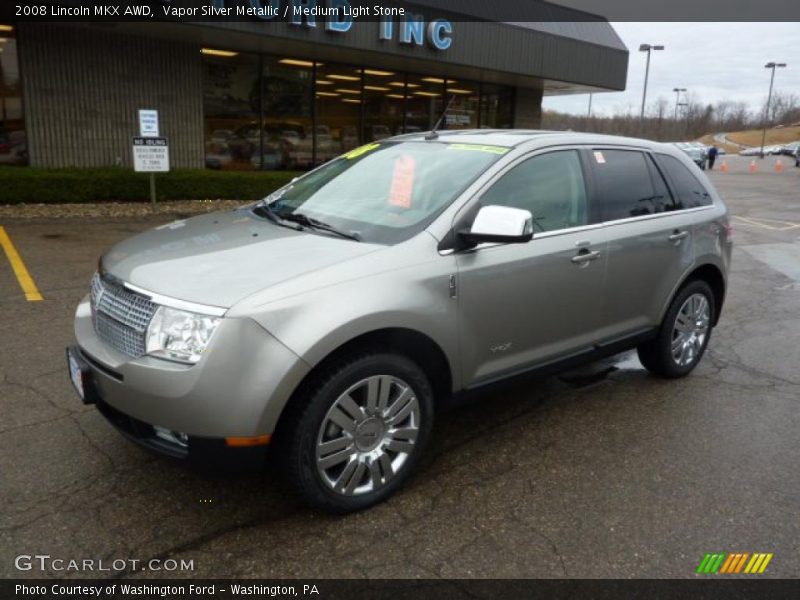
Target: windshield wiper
{"points": [[307, 221], [262, 208], [285, 218]]}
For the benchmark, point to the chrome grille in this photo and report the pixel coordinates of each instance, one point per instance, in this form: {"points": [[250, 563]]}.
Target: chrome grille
{"points": [[120, 316], [95, 290], [123, 338]]}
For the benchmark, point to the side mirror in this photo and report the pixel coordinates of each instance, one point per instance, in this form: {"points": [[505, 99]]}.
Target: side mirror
{"points": [[501, 225]]}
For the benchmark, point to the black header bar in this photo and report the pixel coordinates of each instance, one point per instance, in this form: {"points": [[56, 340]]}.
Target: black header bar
{"points": [[322, 11]]}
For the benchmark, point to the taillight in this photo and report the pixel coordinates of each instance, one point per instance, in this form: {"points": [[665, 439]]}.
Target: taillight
{"points": [[728, 231]]}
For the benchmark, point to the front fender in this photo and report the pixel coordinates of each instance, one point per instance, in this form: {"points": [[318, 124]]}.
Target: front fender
{"points": [[315, 324]]}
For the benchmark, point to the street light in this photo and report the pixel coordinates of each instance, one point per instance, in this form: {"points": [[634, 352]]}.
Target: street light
{"points": [[677, 99], [646, 48], [769, 65], [685, 106]]}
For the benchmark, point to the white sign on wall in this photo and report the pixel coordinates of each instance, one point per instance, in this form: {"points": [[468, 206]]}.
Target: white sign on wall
{"points": [[150, 155], [148, 123]]}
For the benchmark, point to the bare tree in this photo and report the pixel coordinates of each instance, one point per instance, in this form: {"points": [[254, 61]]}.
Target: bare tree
{"points": [[695, 119], [784, 108], [659, 112]]}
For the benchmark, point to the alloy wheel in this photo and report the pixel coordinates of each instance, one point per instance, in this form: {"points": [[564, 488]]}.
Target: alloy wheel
{"points": [[690, 329], [367, 435]]}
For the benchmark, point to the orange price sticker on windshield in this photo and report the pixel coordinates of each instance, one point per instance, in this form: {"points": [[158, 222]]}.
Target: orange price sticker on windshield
{"points": [[402, 181]]}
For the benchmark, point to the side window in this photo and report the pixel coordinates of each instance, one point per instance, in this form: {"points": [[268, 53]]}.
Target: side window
{"points": [[550, 186], [625, 186], [689, 192]]}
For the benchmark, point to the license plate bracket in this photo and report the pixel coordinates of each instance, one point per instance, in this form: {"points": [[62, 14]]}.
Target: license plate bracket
{"points": [[81, 376]]}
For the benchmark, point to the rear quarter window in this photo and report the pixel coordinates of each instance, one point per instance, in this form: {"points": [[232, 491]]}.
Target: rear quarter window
{"points": [[688, 191]]}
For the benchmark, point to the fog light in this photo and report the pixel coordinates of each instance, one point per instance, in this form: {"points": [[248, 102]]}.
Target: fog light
{"points": [[173, 437]]}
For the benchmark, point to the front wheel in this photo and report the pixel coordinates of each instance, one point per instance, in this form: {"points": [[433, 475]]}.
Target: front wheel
{"points": [[359, 432], [684, 333]]}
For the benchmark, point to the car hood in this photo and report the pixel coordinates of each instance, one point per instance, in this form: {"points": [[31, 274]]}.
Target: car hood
{"points": [[222, 258]]}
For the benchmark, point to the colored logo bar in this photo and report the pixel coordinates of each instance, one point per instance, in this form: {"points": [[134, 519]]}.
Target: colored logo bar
{"points": [[735, 562]]}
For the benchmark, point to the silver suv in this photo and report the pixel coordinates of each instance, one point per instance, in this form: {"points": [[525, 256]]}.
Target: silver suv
{"points": [[326, 321]]}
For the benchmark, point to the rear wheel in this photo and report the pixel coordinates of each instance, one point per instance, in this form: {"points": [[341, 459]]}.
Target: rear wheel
{"points": [[360, 432], [684, 333]]}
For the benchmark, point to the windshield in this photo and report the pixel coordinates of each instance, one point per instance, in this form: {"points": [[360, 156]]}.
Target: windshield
{"points": [[387, 192]]}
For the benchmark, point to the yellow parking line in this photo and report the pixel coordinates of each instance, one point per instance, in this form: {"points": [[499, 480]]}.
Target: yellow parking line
{"points": [[784, 221], [25, 280], [757, 222]]}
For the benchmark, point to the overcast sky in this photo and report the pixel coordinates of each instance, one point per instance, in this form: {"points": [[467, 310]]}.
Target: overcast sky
{"points": [[714, 61]]}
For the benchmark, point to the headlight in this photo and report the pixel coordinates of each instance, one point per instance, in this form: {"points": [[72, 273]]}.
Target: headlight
{"points": [[179, 335]]}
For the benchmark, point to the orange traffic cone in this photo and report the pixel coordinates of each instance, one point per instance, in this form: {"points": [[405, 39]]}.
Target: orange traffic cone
{"points": [[753, 167], [779, 166], [724, 167]]}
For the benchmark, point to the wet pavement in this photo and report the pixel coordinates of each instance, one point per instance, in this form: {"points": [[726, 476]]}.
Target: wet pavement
{"points": [[602, 472]]}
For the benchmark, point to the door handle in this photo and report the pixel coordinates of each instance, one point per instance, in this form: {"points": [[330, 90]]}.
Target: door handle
{"points": [[584, 257], [677, 236]]}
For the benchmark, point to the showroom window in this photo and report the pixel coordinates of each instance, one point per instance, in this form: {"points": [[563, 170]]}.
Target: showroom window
{"points": [[465, 107], [424, 102], [286, 113], [288, 136], [383, 104], [231, 97], [338, 110], [497, 107], [13, 143]]}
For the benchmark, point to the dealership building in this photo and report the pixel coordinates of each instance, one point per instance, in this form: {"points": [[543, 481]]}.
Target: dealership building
{"points": [[283, 94]]}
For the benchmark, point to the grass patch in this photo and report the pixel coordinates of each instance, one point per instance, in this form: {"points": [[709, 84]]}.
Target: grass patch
{"points": [[117, 184], [752, 137]]}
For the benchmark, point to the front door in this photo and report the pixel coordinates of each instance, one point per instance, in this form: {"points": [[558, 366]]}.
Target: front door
{"points": [[524, 304]]}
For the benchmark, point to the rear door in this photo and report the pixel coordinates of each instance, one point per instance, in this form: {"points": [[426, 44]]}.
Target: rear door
{"points": [[523, 304], [649, 239]]}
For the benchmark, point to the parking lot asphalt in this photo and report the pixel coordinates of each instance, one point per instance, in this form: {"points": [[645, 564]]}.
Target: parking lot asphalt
{"points": [[602, 472]]}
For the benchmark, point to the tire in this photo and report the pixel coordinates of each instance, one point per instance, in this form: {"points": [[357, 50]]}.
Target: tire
{"points": [[374, 441], [694, 306]]}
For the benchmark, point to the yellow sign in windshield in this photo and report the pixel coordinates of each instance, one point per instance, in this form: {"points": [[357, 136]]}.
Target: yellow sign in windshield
{"points": [[361, 151], [479, 148]]}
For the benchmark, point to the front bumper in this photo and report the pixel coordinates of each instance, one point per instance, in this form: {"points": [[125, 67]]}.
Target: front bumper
{"points": [[238, 389], [204, 452]]}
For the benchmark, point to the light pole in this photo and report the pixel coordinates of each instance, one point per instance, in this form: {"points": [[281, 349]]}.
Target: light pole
{"points": [[646, 48], [677, 103], [685, 105], [589, 113], [769, 65], [677, 99]]}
